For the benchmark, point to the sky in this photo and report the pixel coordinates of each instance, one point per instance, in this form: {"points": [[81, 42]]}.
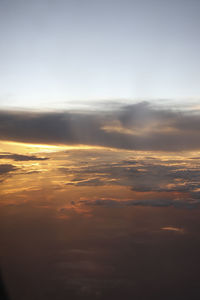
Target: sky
{"points": [[99, 149], [60, 54]]}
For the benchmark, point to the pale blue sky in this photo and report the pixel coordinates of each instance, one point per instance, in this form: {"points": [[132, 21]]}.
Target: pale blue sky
{"points": [[54, 52]]}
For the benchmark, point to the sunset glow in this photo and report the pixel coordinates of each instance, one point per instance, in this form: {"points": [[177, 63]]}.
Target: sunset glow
{"points": [[99, 150]]}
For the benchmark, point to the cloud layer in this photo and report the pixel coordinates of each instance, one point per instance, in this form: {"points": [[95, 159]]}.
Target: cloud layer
{"points": [[136, 127]]}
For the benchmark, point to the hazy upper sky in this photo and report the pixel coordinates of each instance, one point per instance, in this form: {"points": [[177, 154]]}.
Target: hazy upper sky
{"points": [[57, 51]]}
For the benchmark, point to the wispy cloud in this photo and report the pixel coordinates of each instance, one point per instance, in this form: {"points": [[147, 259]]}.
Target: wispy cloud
{"points": [[7, 168], [20, 157], [173, 229]]}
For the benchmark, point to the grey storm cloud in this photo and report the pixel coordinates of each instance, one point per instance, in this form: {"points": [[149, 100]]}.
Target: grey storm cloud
{"points": [[140, 126]]}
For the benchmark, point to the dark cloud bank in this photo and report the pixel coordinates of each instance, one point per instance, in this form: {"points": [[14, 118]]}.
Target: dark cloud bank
{"points": [[140, 126]]}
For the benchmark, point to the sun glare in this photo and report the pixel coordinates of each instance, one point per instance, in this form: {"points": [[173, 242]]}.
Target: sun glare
{"points": [[10, 146]]}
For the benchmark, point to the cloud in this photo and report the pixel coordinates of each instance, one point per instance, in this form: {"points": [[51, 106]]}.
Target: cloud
{"points": [[140, 126], [19, 157], [7, 168], [141, 176], [90, 182], [160, 182], [173, 229], [157, 202]]}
